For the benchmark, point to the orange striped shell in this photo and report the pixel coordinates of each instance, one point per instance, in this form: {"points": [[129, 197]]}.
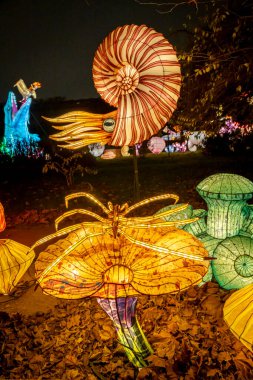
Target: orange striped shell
{"points": [[136, 70]]}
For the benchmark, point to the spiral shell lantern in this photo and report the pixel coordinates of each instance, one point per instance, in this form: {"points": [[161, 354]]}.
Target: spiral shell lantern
{"points": [[136, 70]]}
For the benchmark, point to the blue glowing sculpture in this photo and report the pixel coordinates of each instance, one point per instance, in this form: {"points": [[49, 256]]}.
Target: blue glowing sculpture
{"points": [[17, 138]]}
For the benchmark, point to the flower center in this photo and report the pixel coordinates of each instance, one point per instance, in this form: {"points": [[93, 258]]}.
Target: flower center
{"points": [[118, 274], [127, 79]]}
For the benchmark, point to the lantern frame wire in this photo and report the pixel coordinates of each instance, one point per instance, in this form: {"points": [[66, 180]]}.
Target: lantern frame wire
{"points": [[116, 222]]}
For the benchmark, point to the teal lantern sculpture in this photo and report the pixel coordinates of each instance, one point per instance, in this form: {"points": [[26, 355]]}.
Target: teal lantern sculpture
{"points": [[226, 196], [199, 226], [225, 229], [196, 228], [210, 243], [247, 228], [180, 215], [233, 267]]}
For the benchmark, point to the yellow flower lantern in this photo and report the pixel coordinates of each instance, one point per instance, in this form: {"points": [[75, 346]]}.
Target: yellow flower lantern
{"points": [[118, 257], [15, 259], [238, 314]]}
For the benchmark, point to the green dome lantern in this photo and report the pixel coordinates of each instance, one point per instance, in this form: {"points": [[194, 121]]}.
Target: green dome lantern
{"points": [[226, 195], [233, 267], [210, 244]]}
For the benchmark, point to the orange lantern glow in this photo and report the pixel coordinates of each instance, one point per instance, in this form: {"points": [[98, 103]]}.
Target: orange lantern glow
{"points": [[238, 314], [108, 155], [119, 257], [2, 218], [15, 259], [100, 262]]}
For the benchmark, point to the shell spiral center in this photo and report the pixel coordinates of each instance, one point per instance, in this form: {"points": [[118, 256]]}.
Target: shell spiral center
{"points": [[127, 79]]}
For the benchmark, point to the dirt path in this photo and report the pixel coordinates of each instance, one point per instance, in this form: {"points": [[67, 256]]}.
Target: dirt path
{"points": [[25, 300]]}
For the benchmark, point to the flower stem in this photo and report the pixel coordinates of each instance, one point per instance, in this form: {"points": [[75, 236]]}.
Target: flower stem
{"points": [[122, 312]]}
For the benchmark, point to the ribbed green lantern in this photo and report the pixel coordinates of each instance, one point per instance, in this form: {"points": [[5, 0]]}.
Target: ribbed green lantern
{"points": [[210, 244], [196, 228], [226, 195], [247, 228], [178, 215], [199, 226], [233, 267]]}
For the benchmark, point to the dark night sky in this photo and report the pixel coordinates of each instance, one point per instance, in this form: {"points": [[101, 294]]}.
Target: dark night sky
{"points": [[54, 41]]}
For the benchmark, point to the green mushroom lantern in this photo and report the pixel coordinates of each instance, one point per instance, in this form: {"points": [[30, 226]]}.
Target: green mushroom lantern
{"points": [[226, 196]]}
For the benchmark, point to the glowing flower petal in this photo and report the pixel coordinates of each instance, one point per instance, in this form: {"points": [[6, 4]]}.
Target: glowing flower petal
{"points": [[15, 259], [102, 261], [238, 314]]}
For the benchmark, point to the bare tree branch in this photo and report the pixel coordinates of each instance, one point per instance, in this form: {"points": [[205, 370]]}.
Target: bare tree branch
{"points": [[172, 5]]}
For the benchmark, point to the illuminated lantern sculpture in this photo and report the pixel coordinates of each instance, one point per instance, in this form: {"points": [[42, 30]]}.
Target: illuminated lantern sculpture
{"points": [[196, 228], [180, 214], [210, 243], [226, 195], [199, 226], [15, 259], [233, 266], [136, 70], [25, 91], [238, 314], [116, 258], [96, 149], [169, 148], [156, 145], [247, 228], [108, 155], [125, 151], [2, 218], [196, 140], [226, 229], [17, 138]]}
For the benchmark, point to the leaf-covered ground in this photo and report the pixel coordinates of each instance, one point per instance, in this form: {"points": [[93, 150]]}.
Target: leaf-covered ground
{"points": [[76, 340], [45, 338]]}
